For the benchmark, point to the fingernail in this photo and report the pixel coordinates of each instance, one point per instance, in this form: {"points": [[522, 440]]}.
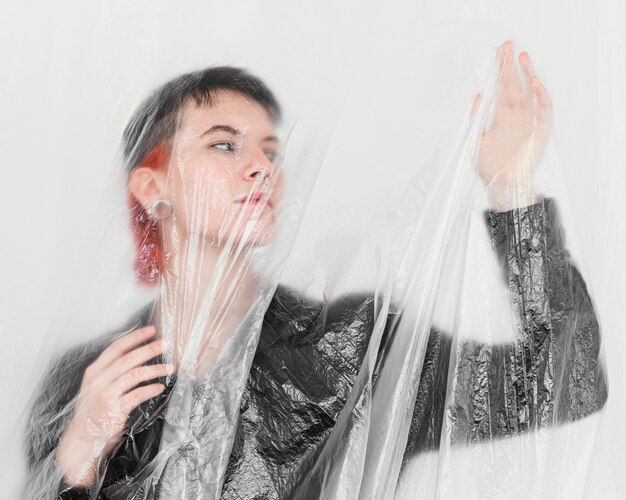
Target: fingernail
{"points": [[169, 369]]}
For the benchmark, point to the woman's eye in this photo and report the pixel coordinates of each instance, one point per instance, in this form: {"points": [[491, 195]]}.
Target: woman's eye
{"points": [[271, 155], [225, 146]]}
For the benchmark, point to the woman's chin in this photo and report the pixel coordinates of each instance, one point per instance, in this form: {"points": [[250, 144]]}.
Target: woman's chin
{"points": [[252, 234], [259, 235]]}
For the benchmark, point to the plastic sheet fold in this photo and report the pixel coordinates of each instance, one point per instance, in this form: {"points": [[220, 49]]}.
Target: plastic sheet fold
{"points": [[477, 344]]}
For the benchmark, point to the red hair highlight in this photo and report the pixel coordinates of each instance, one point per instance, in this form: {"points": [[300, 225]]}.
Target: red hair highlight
{"points": [[149, 255]]}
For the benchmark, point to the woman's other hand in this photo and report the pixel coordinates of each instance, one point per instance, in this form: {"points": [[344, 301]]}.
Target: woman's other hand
{"points": [[108, 393], [517, 138]]}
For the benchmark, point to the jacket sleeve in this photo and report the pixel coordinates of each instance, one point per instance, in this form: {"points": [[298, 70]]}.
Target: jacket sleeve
{"points": [[550, 374], [50, 415]]}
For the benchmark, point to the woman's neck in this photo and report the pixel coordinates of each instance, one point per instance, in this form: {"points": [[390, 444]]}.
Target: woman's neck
{"points": [[206, 292]]}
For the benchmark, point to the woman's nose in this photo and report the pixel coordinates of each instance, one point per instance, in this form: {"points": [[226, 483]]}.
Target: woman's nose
{"points": [[259, 165]]}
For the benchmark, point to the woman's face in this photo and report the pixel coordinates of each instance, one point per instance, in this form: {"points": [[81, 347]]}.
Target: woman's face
{"points": [[221, 178]]}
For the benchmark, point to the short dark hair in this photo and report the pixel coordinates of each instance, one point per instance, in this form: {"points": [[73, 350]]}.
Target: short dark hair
{"points": [[155, 120]]}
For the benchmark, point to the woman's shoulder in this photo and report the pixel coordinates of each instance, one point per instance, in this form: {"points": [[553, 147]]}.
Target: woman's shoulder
{"points": [[298, 320], [64, 373], [292, 303], [52, 400]]}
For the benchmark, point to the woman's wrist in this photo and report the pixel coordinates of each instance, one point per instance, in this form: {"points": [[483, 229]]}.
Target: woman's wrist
{"points": [[505, 197], [76, 470]]}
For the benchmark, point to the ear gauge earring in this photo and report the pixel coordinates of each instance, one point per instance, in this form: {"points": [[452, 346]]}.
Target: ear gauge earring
{"points": [[160, 209]]}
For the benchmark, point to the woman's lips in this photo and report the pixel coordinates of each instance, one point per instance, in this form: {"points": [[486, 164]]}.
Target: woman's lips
{"points": [[255, 199]]}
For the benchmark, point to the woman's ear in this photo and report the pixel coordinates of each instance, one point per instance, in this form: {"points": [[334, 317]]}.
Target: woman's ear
{"points": [[147, 185]]}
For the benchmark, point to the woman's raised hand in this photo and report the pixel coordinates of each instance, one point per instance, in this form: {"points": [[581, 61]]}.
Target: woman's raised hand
{"points": [[108, 393], [511, 148]]}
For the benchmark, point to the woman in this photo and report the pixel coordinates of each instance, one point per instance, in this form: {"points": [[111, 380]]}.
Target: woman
{"points": [[102, 435]]}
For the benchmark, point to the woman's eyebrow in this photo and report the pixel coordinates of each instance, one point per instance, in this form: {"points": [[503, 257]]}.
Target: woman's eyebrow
{"points": [[236, 132], [223, 128]]}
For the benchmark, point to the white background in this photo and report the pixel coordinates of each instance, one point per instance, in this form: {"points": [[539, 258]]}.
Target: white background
{"points": [[403, 74]]}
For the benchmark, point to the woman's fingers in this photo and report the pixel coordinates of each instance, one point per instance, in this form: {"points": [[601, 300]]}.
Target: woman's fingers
{"points": [[134, 358], [528, 71], [544, 103], [526, 65], [509, 85], [134, 398], [135, 376], [507, 92], [103, 407], [121, 346], [543, 99]]}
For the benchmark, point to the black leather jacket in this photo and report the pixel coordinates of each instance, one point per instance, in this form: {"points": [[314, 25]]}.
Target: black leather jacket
{"points": [[309, 354]]}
